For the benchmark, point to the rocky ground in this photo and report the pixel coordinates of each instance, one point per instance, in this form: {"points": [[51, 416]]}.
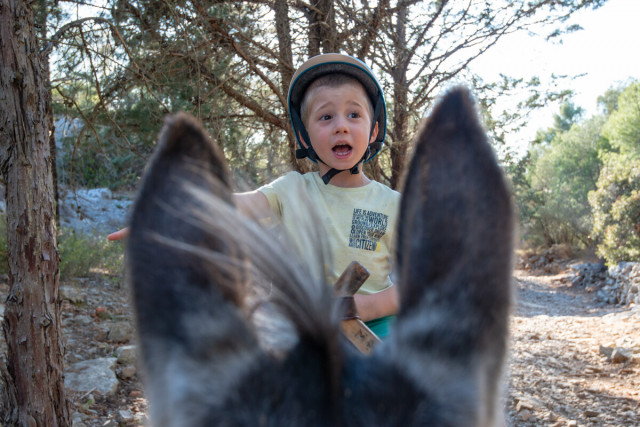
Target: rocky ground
{"points": [[574, 361]]}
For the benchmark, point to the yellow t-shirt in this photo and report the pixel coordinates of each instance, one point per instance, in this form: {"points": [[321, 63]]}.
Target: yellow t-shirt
{"points": [[358, 224]]}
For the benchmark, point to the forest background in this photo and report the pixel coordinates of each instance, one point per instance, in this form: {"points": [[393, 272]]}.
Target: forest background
{"points": [[118, 67], [113, 69]]}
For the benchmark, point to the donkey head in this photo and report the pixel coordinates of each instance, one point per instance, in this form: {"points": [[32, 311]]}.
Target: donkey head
{"points": [[200, 273]]}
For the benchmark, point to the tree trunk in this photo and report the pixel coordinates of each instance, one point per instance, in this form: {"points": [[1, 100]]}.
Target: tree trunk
{"points": [[32, 324], [322, 29], [398, 150], [285, 67], [41, 14]]}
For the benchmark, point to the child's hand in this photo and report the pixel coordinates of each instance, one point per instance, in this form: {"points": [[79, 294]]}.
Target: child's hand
{"points": [[120, 234]]}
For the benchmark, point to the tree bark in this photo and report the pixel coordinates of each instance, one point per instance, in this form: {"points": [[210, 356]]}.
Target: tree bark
{"points": [[400, 115], [323, 37], [285, 66], [41, 14], [32, 321]]}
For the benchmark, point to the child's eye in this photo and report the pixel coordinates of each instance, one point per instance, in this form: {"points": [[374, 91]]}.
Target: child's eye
{"points": [[325, 117], [354, 115]]}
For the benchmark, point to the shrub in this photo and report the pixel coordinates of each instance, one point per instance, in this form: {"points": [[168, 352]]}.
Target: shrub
{"points": [[616, 209], [82, 254], [554, 200]]}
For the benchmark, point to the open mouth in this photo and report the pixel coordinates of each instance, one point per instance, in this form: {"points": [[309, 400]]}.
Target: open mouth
{"points": [[342, 150]]}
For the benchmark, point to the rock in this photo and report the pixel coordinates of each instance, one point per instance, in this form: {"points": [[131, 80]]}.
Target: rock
{"points": [[526, 402], [78, 419], [591, 414], [616, 354], [607, 295], [127, 372], [119, 332], [83, 320], [620, 284], [66, 127], [72, 294], [127, 355], [525, 415], [92, 211], [102, 332], [588, 275], [620, 355], [102, 312], [606, 351], [125, 415], [136, 394], [94, 374], [625, 282]]}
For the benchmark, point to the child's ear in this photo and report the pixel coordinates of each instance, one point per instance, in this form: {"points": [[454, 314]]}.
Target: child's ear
{"points": [[374, 134]]}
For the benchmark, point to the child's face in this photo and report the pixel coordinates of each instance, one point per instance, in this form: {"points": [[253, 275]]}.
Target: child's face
{"points": [[338, 122]]}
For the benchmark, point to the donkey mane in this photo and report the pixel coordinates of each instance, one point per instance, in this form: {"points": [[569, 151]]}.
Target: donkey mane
{"points": [[234, 331]]}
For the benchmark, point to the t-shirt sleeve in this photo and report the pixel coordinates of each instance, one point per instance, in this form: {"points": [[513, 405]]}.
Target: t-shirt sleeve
{"points": [[274, 191]]}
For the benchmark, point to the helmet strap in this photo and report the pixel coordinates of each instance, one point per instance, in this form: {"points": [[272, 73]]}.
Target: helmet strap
{"points": [[332, 172], [375, 145], [354, 170], [308, 151]]}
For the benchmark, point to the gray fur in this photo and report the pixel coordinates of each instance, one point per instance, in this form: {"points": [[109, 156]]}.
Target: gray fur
{"points": [[234, 331]]}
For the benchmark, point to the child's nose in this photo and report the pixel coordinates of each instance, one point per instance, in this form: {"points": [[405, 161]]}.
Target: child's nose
{"points": [[341, 125]]}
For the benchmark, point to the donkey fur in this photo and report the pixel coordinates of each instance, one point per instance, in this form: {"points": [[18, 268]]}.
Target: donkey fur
{"points": [[196, 267]]}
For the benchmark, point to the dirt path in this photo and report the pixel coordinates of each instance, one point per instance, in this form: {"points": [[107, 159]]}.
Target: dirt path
{"points": [[558, 373], [558, 376]]}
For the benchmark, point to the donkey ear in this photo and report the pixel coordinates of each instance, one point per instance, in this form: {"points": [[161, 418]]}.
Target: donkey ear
{"points": [[186, 305], [454, 253]]}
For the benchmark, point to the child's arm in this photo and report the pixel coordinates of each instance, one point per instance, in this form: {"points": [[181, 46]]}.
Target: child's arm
{"points": [[381, 304], [253, 204]]}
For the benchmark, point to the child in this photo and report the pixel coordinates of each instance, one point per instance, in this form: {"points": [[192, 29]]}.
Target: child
{"points": [[338, 114]]}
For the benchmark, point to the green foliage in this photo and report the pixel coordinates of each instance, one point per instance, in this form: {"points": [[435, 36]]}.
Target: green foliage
{"points": [[569, 115], [566, 195], [230, 63], [79, 164], [608, 102], [562, 122], [616, 202], [553, 199], [526, 198], [623, 127], [616, 209], [80, 255]]}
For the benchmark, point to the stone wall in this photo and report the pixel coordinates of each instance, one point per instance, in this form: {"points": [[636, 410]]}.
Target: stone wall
{"points": [[619, 285]]}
